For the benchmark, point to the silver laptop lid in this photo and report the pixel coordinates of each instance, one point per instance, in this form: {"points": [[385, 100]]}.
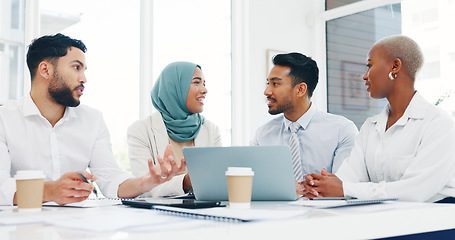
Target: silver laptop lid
{"points": [[273, 175]]}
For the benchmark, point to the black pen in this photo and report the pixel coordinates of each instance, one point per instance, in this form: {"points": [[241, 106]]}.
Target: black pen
{"points": [[85, 180]]}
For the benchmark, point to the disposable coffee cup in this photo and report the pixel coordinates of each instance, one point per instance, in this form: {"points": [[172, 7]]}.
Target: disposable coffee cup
{"points": [[240, 184], [29, 190]]}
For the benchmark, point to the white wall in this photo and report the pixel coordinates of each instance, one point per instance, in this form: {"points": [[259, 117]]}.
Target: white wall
{"points": [[258, 25]]}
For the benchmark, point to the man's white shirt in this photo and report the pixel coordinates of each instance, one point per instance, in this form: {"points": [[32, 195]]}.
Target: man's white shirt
{"points": [[80, 139]]}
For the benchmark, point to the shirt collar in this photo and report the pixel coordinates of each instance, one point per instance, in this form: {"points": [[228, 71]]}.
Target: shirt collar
{"points": [[304, 120], [31, 109], [29, 106], [415, 110], [69, 113]]}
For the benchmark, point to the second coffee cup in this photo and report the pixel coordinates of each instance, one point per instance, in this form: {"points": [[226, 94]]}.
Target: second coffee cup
{"points": [[240, 184], [30, 188]]}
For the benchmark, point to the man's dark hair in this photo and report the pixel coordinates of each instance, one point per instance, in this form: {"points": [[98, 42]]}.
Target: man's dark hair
{"points": [[50, 47], [303, 69]]}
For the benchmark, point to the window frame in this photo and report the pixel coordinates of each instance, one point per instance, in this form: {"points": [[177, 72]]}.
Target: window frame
{"points": [[321, 38]]}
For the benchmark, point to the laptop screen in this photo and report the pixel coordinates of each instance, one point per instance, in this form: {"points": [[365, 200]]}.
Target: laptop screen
{"points": [[273, 176]]}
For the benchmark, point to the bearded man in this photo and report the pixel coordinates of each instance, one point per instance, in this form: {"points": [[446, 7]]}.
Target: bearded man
{"points": [[50, 130]]}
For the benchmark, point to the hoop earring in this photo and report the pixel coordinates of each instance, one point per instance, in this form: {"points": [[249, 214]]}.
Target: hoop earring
{"points": [[391, 76]]}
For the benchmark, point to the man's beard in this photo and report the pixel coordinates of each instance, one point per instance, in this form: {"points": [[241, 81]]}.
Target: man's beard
{"points": [[61, 92], [281, 107]]}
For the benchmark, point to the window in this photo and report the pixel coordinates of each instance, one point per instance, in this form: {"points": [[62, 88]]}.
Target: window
{"points": [[430, 23], [198, 31], [11, 49], [350, 36], [110, 30], [331, 4], [16, 14], [349, 39]]}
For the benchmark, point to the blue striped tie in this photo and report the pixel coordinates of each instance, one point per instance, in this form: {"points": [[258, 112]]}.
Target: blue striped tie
{"points": [[294, 144]]}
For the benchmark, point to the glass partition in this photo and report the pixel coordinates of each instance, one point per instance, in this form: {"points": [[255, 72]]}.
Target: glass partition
{"points": [[349, 39]]}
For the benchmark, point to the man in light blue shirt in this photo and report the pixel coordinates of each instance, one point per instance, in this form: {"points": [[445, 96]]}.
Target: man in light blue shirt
{"points": [[323, 140]]}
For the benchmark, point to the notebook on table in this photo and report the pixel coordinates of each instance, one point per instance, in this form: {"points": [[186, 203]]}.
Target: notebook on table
{"points": [[229, 214], [272, 165]]}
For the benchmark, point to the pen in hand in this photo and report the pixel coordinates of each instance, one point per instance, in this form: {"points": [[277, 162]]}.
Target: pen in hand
{"points": [[85, 180]]}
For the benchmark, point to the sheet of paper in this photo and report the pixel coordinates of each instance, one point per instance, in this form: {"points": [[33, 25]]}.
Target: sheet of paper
{"points": [[13, 216], [18, 218], [340, 203], [113, 218], [116, 218], [89, 203]]}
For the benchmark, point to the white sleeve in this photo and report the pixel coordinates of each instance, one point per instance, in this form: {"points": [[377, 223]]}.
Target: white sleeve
{"points": [[172, 187], [353, 169], [7, 183], [103, 165]]}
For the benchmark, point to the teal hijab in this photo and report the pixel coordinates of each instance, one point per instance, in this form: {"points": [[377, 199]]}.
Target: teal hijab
{"points": [[169, 97]]}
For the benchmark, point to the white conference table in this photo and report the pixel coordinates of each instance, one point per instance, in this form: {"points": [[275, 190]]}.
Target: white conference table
{"points": [[120, 222]]}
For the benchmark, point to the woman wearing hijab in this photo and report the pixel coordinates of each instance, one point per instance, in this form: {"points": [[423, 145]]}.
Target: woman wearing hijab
{"points": [[178, 95], [406, 151]]}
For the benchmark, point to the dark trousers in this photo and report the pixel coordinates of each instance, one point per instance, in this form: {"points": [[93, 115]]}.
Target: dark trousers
{"points": [[446, 200]]}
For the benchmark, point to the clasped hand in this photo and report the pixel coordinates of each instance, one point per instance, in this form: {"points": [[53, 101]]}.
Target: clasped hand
{"points": [[322, 185]]}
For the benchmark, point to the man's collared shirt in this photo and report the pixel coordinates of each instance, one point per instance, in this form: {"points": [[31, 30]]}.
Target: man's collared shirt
{"points": [[325, 139], [414, 160], [80, 139]]}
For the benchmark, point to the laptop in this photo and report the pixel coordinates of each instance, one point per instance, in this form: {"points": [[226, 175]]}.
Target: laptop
{"points": [[272, 165]]}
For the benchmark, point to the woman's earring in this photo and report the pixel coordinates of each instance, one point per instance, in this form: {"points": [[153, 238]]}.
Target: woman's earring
{"points": [[391, 76]]}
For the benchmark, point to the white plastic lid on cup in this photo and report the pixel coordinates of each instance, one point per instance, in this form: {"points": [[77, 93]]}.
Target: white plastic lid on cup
{"points": [[239, 171], [29, 174]]}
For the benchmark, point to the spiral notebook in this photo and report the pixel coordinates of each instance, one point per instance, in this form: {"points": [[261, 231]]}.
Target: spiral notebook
{"points": [[229, 214]]}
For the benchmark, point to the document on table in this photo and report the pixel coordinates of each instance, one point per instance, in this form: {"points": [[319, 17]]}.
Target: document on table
{"points": [[88, 203], [340, 203], [113, 219]]}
